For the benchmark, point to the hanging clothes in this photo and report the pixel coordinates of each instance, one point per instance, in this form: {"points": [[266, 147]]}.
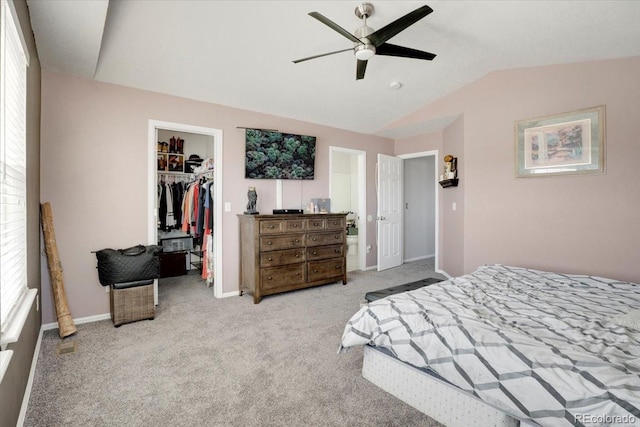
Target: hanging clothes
{"points": [[194, 215], [208, 257], [170, 219], [187, 208], [177, 189], [170, 199], [162, 206]]}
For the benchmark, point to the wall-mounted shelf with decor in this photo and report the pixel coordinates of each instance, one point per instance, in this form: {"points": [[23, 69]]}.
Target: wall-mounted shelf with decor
{"points": [[449, 183], [449, 177]]}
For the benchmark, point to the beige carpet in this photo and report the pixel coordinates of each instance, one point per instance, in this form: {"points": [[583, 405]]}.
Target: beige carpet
{"points": [[211, 362]]}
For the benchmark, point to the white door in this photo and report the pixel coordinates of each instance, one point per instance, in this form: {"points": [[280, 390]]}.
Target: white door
{"points": [[389, 219]]}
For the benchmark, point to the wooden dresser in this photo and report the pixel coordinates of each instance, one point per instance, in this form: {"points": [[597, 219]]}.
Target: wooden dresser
{"points": [[281, 253]]}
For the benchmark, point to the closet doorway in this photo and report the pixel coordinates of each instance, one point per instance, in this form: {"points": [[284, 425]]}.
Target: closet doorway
{"points": [[180, 153]]}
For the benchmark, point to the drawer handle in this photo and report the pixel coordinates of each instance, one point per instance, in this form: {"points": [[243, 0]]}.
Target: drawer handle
{"points": [[269, 259], [272, 226], [297, 255], [336, 236], [315, 271], [315, 253], [337, 267], [298, 273], [315, 224], [295, 225], [314, 239], [336, 251], [268, 277], [296, 241], [269, 243]]}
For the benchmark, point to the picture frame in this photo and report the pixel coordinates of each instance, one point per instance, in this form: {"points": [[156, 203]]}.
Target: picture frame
{"points": [[561, 144], [162, 162], [175, 163]]}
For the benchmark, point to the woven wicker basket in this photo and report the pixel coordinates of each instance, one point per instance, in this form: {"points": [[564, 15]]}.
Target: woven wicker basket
{"points": [[132, 304]]}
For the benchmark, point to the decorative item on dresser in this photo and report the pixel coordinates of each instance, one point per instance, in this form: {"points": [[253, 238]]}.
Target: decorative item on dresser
{"points": [[280, 253]]}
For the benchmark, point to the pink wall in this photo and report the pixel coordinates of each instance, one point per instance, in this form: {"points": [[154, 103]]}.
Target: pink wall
{"points": [[419, 143], [94, 174], [452, 222], [93, 171], [586, 224]]}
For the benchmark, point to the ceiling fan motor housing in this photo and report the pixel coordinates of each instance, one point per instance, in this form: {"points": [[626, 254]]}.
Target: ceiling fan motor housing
{"points": [[366, 49]]}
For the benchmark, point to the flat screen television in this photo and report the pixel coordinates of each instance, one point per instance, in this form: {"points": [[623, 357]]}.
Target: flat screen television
{"points": [[276, 155]]}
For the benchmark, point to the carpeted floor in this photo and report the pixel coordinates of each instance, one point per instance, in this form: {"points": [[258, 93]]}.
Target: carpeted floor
{"points": [[210, 362]]}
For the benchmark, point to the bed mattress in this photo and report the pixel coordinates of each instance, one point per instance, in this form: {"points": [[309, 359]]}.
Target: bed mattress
{"points": [[430, 394], [540, 346]]}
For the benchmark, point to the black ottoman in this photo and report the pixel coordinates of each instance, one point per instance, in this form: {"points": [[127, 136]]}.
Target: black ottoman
{"points": [[372, 296]]}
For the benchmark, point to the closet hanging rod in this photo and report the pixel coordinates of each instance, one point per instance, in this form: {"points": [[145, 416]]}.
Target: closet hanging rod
{"points": [[208, 171]]}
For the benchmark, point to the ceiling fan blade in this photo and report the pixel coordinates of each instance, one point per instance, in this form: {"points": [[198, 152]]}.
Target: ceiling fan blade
{"points": [[405, 52], [362, 66], [321, 55], [390, 30], [329, 23]]}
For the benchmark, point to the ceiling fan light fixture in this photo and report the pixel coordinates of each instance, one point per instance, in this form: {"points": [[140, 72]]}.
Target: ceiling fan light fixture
{"points": [[365, 51], [368, 42]]}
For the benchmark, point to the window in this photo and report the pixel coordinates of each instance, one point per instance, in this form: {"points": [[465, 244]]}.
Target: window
{"points": [[13, 206]]}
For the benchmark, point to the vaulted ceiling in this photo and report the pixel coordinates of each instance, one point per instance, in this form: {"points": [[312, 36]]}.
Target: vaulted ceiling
{"points": [[240, 53]]}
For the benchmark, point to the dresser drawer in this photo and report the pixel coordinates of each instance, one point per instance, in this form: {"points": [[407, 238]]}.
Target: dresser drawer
{"points": [[316, 224], [275, 243], [323, 252], [273, 258], [318, 270], [271, 227], [282, 277], [294, 225], [336, 224], [322, 239]]}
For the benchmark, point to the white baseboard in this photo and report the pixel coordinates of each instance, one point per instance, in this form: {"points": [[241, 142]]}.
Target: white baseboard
{"points": [[444, 273], [32, 372], [231, 294], [79, 321], [419, 258]]}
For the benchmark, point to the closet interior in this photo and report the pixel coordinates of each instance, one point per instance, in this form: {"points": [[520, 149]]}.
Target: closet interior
{"points": [[185, 204]]}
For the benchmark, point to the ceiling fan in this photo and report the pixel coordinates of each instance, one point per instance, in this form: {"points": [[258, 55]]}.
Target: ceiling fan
{"points": [[368, 42]]}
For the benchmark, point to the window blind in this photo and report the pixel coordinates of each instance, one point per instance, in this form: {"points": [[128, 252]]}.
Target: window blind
{"points": [[13, 242]]}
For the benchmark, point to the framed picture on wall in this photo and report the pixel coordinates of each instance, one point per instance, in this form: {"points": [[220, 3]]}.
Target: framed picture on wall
{"points": [[176, 163], [162, 162], [566, 143]]}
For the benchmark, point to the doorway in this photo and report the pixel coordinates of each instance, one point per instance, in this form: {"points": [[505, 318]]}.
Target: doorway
{"points": [[421, 216], [181, 160], [347, 191]]}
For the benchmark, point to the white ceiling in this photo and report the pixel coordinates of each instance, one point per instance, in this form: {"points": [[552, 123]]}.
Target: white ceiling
{"points": [[239, 53]]}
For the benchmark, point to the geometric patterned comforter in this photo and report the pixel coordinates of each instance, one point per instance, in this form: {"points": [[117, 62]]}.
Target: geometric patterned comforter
{"points": [[542, 347]]}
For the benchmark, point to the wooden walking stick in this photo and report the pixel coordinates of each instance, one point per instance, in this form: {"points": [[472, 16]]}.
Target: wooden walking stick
{"points": [[66, 326]]}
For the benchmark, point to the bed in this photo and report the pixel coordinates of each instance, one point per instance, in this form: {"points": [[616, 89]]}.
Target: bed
{"points": [[535, 347]]}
